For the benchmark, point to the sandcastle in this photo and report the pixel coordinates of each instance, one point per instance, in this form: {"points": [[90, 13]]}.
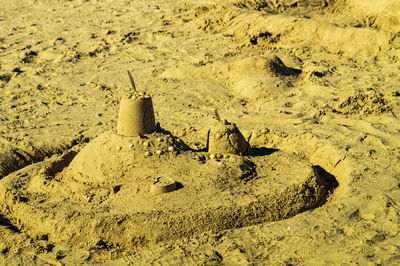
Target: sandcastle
{"points": [[140, 184], [136, 114], [225, 137]]}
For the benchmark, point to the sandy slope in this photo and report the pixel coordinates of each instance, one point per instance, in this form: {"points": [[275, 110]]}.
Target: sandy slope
{"points": [[318, 79]]}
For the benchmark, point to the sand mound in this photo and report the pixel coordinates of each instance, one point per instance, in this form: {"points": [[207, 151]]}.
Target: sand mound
{"points": [[127, 191], [112, 155], [260, 77]]}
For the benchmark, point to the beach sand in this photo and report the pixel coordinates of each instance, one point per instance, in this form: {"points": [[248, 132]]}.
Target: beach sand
{"points": [[312, 85]]}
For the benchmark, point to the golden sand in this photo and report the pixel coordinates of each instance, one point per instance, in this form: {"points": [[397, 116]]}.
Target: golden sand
{"points": [[306, 171]]}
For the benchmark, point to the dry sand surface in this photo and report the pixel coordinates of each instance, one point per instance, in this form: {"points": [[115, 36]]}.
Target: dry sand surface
{"points": [[304, 171]]}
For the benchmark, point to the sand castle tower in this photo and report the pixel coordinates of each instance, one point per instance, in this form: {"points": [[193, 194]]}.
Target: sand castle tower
{"points": [[225, 137], [136, 114]]}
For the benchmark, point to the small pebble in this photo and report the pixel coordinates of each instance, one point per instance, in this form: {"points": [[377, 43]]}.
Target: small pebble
{"points": [[217, 135], [147, 154], [171, 149], [131, 145], [219, 156], [160, 139], [146, 144], [118, 148], [159, 152], [212, 156]]}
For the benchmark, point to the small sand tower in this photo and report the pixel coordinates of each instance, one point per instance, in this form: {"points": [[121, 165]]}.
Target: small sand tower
{"points": [[225, 137], [136, 114]]}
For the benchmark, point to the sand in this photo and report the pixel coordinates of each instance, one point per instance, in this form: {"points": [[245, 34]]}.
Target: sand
{"points": [[313, 87]]}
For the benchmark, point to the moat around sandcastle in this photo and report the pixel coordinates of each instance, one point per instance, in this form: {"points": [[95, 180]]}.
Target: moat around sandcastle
{"points": [[140, 184]]}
